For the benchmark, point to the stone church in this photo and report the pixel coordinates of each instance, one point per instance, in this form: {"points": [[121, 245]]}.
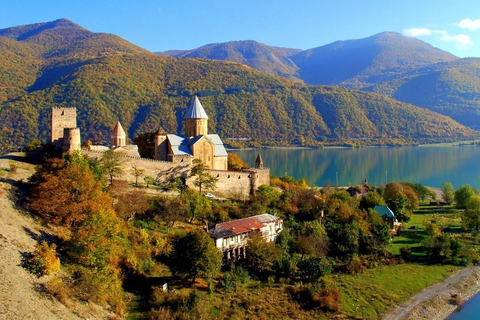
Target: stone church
{"points": [[174, 153], [197, 143]]}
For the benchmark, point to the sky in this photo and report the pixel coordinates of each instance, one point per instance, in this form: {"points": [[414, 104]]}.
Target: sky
{"points": [[161, 25]]}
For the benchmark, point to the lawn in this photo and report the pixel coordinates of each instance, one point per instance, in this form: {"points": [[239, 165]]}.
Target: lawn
{"points": [[369, 295], [414, 231]]}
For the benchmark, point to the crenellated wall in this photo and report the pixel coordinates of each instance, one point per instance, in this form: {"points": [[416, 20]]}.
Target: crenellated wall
{"points": [[230, 183]]}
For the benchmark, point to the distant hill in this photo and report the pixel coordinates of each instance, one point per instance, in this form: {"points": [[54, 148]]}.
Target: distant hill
{"points": [[404, 68], [450, 88], [271, 60], [358, 63], [60, 64]]}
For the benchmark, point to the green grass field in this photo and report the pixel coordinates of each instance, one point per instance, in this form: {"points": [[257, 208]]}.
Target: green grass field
{"points": [[370, 294]]}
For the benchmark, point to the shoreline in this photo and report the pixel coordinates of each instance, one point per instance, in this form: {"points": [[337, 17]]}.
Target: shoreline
{"points": [[439, 301]]}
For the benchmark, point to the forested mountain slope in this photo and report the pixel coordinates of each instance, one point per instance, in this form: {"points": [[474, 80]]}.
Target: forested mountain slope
{"points": [[270, 60], [60, 64]]}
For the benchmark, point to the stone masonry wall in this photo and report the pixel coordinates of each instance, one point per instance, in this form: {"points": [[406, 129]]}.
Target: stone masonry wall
{"points": [[230, 183]]}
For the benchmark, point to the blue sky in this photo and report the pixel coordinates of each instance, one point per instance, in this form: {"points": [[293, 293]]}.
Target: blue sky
{"points": [[162, 25]]}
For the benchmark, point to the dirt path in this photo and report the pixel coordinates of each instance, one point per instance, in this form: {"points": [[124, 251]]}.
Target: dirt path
{"points": [[435, 302]]}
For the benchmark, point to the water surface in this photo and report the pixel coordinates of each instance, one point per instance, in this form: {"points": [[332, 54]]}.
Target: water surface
{"points": [[470, 310], [430, 165]]}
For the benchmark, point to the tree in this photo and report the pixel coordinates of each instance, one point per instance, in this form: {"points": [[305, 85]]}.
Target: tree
{"points": [[202, 177], [129, 202], [402, 199], [235, 163], [371, 199], [149, 180], [261, 255], [266, 195], [195, 205], [166, 210], [65, 195], [146, 144], [463, 195], [422, 191], [111, 163], [471, 215], [195, 255], [448, 192], [137, 172]]}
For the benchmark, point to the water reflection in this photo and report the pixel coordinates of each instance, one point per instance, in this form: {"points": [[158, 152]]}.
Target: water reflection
{"points": [[427, 165]]}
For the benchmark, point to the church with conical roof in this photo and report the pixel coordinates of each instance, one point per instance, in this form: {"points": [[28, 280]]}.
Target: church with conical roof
{"points": [[196, 143]]}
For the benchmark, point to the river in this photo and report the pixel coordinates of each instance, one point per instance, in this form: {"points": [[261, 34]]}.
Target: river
{"points": [[428, 165], [470, 310]]}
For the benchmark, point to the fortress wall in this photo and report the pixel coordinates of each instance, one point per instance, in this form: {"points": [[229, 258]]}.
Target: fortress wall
{"points": [[161, 170], [235, 184]]}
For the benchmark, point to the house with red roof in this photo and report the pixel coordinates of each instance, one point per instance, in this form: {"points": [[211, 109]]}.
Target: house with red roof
{"points": [[232, 237]]}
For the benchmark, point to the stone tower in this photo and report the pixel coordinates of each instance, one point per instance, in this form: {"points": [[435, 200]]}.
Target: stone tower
{"points": [[62, 118], [161, 145], [259, 162], [196, 119], [71, 139], [119, 138]]}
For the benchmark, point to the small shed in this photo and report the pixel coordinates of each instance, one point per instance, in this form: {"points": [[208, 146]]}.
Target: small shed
{"points": [[386, 214]]}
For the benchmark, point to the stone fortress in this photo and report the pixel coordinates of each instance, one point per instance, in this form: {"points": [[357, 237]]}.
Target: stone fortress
{"points": [[174, 153]]}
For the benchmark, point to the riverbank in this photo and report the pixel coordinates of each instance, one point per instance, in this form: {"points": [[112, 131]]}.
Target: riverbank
{"points": [[437, 302]]}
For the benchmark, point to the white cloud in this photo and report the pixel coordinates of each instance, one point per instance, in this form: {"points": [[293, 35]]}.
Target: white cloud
{"points": [[470, 24], [417, 32], [461, 40]]}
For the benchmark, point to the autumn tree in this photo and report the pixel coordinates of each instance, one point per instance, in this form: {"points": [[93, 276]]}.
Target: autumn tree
{"points": [[235, 163], [261, 255], [402, 199], [203, 178], [195, 255], [65, 195], [129, 203], [167, 210]]}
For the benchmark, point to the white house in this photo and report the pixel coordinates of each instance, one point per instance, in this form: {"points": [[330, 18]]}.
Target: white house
{"points": [[232, 237]]}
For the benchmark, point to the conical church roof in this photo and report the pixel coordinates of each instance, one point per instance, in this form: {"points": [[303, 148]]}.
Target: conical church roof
{"points": [[196, 111], [118, 130]]}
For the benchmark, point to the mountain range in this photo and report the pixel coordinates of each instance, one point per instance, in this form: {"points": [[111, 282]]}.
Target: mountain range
{"points": [[403, 68], [61, 64]]}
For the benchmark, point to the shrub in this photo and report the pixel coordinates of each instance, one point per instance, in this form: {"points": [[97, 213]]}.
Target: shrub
{"points": [[356, 265], [13, 167], [59, 288], [101, 286], [160, 314], [44, 260], [406, 253]]}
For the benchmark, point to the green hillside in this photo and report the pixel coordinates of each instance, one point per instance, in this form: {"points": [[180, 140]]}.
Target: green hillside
{"points": [[451, 88], [60, 64]]}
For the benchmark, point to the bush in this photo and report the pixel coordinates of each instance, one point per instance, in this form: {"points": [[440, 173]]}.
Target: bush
{"points": [[406, 253], [326, 295], [356, 265], [59, 288], [101, 286], [13, 167], [44, 260]]}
